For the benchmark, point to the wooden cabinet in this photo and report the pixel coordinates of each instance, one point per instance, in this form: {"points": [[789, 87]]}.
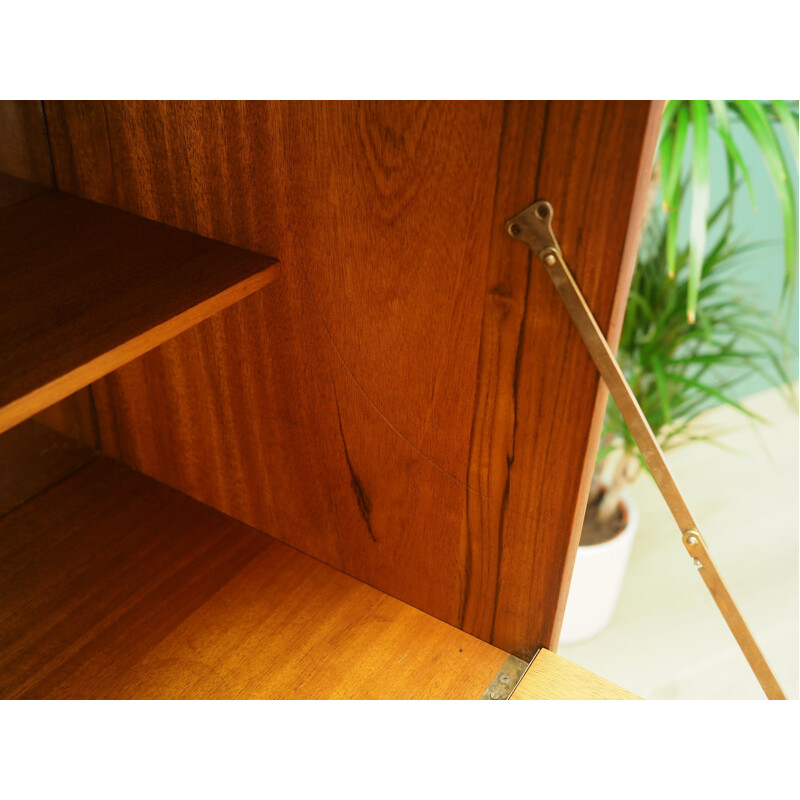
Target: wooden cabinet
{"points": [[307, 319]]}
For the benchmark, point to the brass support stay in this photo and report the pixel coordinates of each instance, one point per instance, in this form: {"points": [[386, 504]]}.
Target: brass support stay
{"points": [[534, 227]]}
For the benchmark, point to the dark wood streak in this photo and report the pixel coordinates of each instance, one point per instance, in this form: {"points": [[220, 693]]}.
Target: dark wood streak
{"points": [[53, 179], [362, 499], [504, 291], [510, 457], [495, 524]]}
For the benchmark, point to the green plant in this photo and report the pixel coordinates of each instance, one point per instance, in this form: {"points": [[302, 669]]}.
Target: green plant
{"points": [[688, 314], [703, 117], [671, 363]]}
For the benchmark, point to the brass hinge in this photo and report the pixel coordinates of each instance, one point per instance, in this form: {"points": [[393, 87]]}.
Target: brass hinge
{"points": [[534, 226], [507, 679]]}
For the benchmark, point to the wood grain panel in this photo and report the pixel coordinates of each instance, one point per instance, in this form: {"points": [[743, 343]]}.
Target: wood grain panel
{"points": [[23, 141], [25, 153], [407, 208], [86, 288], [398, 223], [73, 417], [410, 401], [14, 190], [613, 330], [533, 443], [551, 677], [328, 499], [33, 457], [115, 586]]}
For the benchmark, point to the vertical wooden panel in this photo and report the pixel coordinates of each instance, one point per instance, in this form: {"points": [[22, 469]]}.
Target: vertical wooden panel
{"points": [[411, 404], [23, 143], [33, 457], [73, 417], [613, 330], [537, 386], [24, 154]]}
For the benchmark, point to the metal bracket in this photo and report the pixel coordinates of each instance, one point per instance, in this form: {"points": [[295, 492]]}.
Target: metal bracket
{"points": [[507, 679], [534, 227]]}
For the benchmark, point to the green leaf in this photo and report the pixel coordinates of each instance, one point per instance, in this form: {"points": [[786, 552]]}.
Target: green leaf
{"points": [[701, 196], [672, 365], [723, 205], [716, 358], [671, 170], [720, 109], [665, 152], [712, 392], [661, 384], [670, 109], [672, 238], [755, 118], [789, 122]]}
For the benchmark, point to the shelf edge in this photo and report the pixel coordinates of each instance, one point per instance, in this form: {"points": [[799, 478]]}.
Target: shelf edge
{"points": [[44, 396]]}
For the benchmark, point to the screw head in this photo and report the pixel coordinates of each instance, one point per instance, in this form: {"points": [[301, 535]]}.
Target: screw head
{"points": [[691, 540], [494, 695], [549, 259]]}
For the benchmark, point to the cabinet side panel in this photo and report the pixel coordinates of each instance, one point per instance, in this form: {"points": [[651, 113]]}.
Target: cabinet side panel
{"points": [[24, 154], [23, 141]]}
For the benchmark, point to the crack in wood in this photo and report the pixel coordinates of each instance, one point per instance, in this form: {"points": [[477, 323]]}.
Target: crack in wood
{"points": [[362, 498]]}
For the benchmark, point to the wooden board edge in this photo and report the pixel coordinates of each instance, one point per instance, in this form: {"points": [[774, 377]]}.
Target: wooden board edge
{"points": [[78, 378], [625, 276]]}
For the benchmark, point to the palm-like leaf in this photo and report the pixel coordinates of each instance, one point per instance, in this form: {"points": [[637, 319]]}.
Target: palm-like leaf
{"points": [[789, 121], [703, 117], [672, 364], [756, 119], [701, 199]]}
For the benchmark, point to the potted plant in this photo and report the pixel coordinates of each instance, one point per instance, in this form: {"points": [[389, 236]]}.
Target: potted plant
{"points": [[691, 334]]}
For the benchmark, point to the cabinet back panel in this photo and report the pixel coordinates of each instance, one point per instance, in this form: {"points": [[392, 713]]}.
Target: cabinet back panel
{"points": [[410, 404]]}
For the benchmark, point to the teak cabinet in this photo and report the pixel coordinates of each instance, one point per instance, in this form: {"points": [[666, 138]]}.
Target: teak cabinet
{"points": [[288, 413]]}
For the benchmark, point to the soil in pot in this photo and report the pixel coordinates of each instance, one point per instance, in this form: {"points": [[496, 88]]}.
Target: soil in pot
{"points": [[597, 531]]}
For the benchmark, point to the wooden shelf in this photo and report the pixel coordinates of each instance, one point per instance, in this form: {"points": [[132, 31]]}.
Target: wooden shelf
{"points": [[86, 288], [115, 586]]}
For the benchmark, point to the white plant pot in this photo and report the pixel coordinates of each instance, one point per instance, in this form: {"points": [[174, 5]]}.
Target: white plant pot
{"points": [[597, 581]]}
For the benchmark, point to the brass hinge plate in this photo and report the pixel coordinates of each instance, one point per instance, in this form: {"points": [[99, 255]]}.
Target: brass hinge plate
{"points": [[506, 680]]}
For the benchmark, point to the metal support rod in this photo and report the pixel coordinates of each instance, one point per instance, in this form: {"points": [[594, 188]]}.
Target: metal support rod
{"points": [[534, 227]]}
